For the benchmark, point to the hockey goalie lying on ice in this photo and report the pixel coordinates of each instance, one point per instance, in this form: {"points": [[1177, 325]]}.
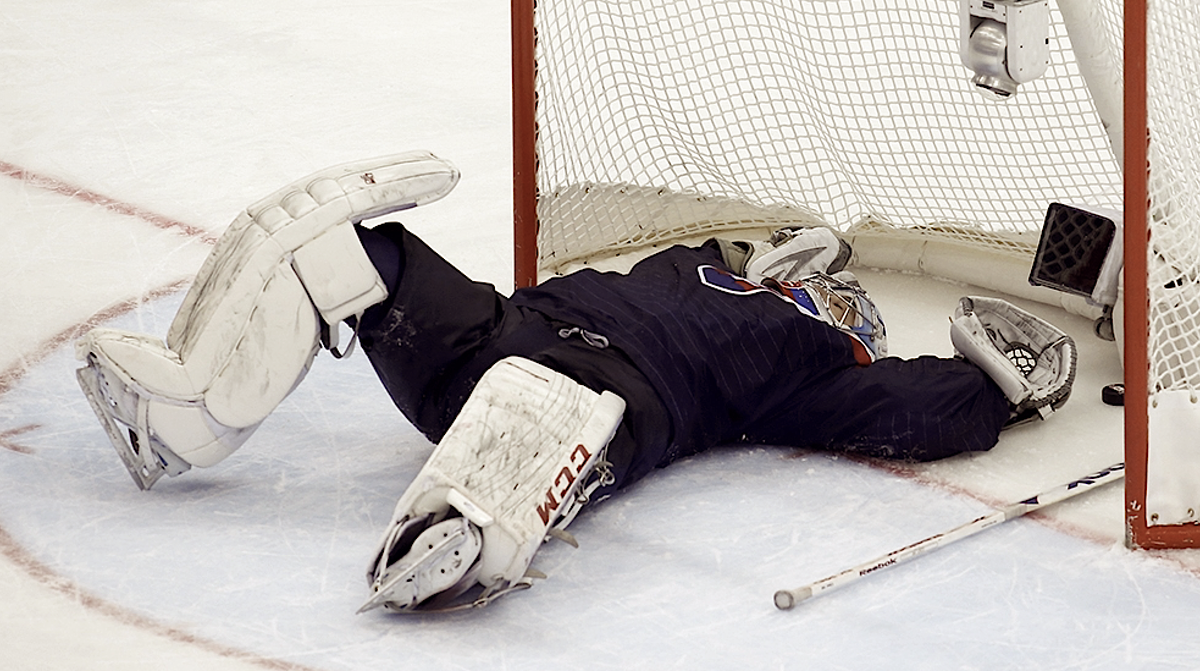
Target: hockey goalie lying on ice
{"points": [[558, 396]]}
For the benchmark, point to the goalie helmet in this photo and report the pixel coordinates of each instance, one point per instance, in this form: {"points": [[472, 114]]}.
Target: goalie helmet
{"points": [[1031, 360], [840, 301]]}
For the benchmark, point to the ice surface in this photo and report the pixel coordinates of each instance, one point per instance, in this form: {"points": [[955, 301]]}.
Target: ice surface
{"points": [[194, 111], [267, 553]]}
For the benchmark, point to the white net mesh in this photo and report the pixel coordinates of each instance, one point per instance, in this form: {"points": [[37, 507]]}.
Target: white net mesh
{"points": [[1173, 92], [665, 119], [660, 119]]}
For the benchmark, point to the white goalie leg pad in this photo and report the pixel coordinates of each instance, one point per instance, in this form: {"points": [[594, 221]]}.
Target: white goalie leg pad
{"points": [[309, 224], [286, 269], [1031, 360], [525, 446]]}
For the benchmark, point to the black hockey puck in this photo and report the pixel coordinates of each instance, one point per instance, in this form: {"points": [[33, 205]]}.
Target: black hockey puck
{"points": [[1113, 394]]}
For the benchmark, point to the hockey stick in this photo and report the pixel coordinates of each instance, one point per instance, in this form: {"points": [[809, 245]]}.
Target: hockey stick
{"points": [[785, 599]]}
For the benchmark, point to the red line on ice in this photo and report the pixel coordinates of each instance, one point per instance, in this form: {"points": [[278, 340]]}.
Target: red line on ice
{"points": [[111, 204], [14, 551], [7, 442], [13, 374], [43, 574]]}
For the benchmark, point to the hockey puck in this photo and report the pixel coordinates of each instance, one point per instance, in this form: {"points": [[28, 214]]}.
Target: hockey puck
{"points": [[1113, 394]]}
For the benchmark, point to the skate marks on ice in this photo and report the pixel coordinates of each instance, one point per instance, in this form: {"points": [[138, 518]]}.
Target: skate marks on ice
{"points": [[266, 553]]}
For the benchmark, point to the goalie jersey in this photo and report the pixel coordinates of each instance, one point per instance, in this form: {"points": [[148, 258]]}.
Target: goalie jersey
{"points": [[700, 356], [725, 356]]}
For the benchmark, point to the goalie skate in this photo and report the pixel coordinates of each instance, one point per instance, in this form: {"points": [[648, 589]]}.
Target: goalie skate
{"points": [[441, 562], [523, 455], [122, 416]]}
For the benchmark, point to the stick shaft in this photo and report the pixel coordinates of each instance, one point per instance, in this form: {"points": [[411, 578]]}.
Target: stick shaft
{"points": [[787, 598]]}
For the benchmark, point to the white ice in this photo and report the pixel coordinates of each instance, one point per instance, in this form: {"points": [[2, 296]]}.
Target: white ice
{"points": [[192, 111]]}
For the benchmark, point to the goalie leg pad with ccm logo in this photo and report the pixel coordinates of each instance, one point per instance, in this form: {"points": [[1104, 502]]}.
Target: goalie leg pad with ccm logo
{"points": [[516, 465]]}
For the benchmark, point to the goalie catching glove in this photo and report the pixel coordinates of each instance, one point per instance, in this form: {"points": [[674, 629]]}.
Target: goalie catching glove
{"points": [[1031, 360], [516, 465], [278, 282]]}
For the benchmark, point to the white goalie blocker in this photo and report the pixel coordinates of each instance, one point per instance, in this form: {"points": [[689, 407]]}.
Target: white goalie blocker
{"points": [[792, 254], [284, 273], [1031, 360], [518, 462]]}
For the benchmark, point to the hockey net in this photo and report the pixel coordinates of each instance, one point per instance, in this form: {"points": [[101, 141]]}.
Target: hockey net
{"points": [[645, 122]]}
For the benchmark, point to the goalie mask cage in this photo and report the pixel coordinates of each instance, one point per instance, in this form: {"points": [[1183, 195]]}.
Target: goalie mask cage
{"points": [[645, 122]]}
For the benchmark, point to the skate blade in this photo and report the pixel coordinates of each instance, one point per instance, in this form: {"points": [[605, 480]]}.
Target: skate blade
{"points": [[143, 473], [387, 590], [434, 605]]}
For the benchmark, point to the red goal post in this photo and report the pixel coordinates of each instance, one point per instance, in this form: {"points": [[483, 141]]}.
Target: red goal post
{"points": [[1162, 274], [640, 123]]}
